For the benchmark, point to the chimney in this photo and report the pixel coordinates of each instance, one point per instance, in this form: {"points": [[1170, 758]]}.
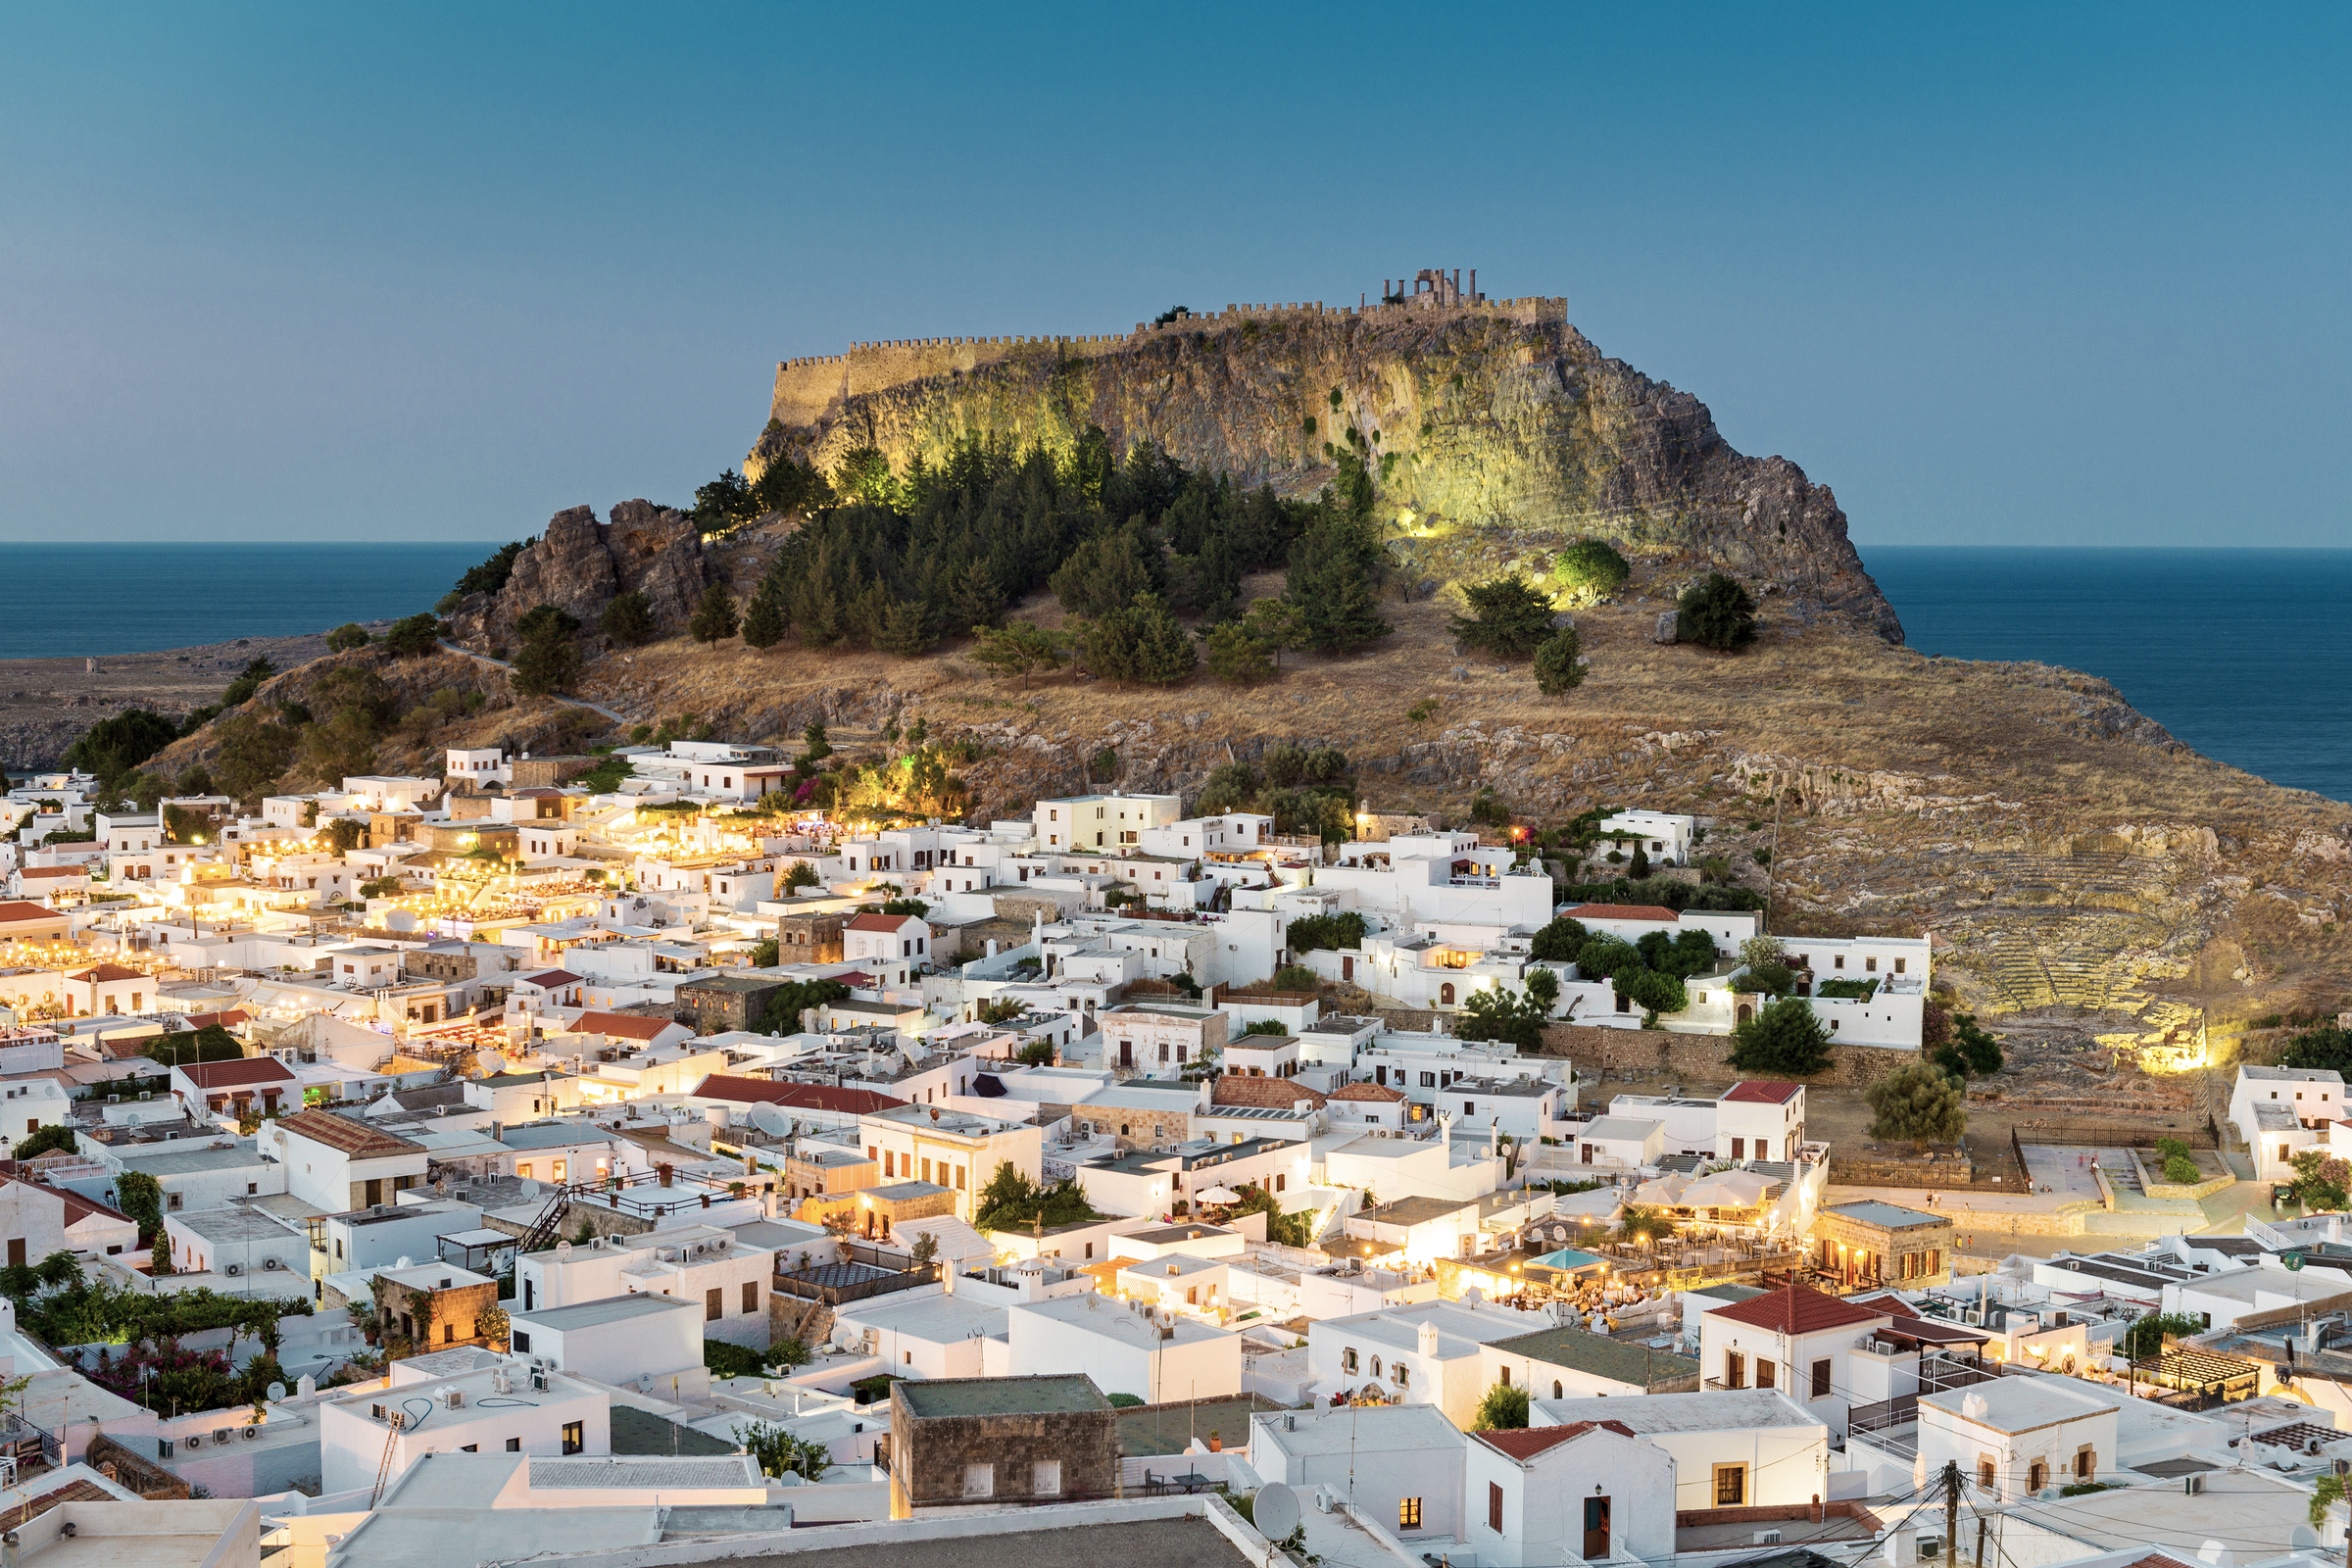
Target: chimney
{"points": [[1429, 1339]]}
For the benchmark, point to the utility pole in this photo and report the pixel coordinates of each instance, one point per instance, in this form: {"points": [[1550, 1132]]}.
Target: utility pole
{"points": [[1951, 1514], [1980, 1522]]}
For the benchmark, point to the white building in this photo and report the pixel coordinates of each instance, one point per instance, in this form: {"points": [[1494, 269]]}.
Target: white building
{"points": [[1159, 1358], [453, 1403], [2015, 1436], [1665, 837], [477, 765], [1102, 821], [1795, 1339], [1742, 1449], [1440, 876], [957, 1150], [927, 1333], [1585, 1491], [1426, 1353], [336, 1163], [1399, 1464], [2280, 1111], [704, 1265], [653, 1339]]}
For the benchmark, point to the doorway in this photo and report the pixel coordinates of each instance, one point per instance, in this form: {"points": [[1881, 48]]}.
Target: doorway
{"points": [[1596, 1529]]}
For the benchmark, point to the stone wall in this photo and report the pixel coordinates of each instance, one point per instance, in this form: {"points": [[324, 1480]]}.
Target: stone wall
{"points": [[928, 1456], [1697, 1060]]}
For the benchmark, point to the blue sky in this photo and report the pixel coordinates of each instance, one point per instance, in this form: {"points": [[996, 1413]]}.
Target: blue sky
{"points": [[2042, 275]]}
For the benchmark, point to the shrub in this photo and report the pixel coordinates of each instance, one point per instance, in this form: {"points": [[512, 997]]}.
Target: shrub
{"points": [[351, 634], [1560, 941], [1917, 1103], [1503, 1409], [1297, 977], [1560, 663], [714, 618], [628, 620], [1717, 614], [1591, 569], [1784, 1039], [1509, 616], [1653, 992], [550, 661]]}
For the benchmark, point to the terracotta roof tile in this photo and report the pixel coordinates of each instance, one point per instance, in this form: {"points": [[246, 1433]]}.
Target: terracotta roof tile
{"points": [[1525, 1443], [14, 909], [1622, 912], [627, 1025], [1796, 1311], [1378, 1093], [550, 979], [107, 973], [354, 1138], [795, 1097], [881, 922], [237, 1074], [1762, 1092]]}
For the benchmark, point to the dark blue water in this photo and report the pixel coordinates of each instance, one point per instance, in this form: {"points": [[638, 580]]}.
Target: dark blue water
{"points": [[75, 600], [2238, 653]]}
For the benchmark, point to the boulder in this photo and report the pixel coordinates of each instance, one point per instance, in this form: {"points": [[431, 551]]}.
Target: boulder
{"points": [[580, 566], [1669, 628]]}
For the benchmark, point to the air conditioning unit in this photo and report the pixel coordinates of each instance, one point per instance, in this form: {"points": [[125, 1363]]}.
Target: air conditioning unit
{"points": [[539, 1378], [164, 1447], [2193, 1486], [1768, 1538], [232, 1271], [250, 1434], [271, 1263], [193, 1440], [221, 1434]]}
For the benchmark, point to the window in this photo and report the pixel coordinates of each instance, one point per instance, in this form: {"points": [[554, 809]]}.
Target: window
{"points": [[1408, 1513], [714, 1304], [1400, 1375], [522, 1341], [1984, 1471], [1738, 1149], [750, 1296], [2037, 1475], [574, 1436], [2086, 1463], [1495, 1508], [1765, 1371], [1821, 1379], [1347, 1360], [1735, 1370], [1044, 1478], [1898, 966], [1730, 1486], [1469, 1107], [1839, 962], [514, 1444], [979, 1480], [1429, 1080], [1557, 1388]]}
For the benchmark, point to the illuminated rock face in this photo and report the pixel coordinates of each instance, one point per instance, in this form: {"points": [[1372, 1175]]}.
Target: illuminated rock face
{"points": [[1494, 433]]}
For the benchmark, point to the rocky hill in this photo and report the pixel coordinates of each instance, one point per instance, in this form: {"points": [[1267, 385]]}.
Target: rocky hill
{"points": [[1495, 432], [581, 565]]}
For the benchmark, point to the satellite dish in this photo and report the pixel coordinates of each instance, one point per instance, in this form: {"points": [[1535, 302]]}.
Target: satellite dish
{"points": [[563, 1250], [2302, 1539], [772, 1120], [1274, 1511], [274, 1393]]}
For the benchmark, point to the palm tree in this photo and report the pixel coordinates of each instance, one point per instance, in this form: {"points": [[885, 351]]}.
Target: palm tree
{"points": [[1637, 1223]]}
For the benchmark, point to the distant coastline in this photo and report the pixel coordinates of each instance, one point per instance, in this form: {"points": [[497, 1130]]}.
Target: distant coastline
{"points": [[2232, 650], [84, 601]]}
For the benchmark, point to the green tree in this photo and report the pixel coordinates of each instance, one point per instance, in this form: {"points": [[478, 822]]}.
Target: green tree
{"points": [[351, 634], [1273, 624], [1329, 586], [413, 636], [44, 1139], [550, 659], [1784, 1039], [1604, 957], [1561, 662], [1637, 1222], [2321, 1180], [2145, 1340], [1652, 992], [1559, 940], [1544, 986], [714, 618], [1591, 569], [1509, 616], [344, 747], [723, 503], [800, 874], [1107, 573], [763, 622], [863, 478], [1237, 658], [1142, 643], [1018, 648], [1490, 1013], [1718, 613], [141, 1196], [1503, 1409], [111, 748], [488, 577], [787, 1002], [254, 753], [814, 737], [1916, 1103], [249, 680], [781, 1453], [2328, 1049], [628, 620]]}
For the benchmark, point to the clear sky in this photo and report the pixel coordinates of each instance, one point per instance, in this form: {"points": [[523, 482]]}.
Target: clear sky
{"points": [[2055, 274]]}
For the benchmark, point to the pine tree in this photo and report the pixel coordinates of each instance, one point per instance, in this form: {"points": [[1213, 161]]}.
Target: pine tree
{"points": [[1329, 586], [1509, 616], [714, 618], [764, 623], [1236, 657], [904, 630], [628, 620], [1165, 652], [1919, 1103], [1560, 663], [1716, 614]]}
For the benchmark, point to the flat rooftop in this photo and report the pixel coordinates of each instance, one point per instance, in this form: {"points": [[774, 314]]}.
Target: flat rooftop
{"points": [[1713, 1411], [612, 1309], [1056, 1394]]}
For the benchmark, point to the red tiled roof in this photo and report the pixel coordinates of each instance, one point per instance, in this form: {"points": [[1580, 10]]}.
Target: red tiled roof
{"points": [[354, 1138], [1525, 1443], [552, 978], [795, 1097], [1276, 1094], [1796, 1311], [237, 1074], [15, 909], [1622, 912], [855, 979], [107, 973], [226, 1020], [880, 922], [1761, 1092], [54, 871], [627, 1025], [1379, 1093], [76, 1208]]}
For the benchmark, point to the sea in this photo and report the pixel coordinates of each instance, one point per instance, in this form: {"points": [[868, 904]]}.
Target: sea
{"points": [[75, 599], [2237, 652]]}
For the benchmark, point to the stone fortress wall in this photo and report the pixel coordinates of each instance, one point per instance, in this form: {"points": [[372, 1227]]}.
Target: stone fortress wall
{"points": [[806, 388]]}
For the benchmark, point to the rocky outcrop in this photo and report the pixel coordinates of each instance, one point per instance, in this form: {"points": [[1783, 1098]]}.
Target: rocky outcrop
{"points": [[1496, 434], [581, 565]]}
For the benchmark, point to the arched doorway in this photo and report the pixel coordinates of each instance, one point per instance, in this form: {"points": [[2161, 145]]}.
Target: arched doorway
{"points": [[1747, 1013], [1446, 995]]}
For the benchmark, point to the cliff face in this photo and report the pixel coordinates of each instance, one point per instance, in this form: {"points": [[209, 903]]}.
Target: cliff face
{"points": [[581, 565], [1495, 432]]}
